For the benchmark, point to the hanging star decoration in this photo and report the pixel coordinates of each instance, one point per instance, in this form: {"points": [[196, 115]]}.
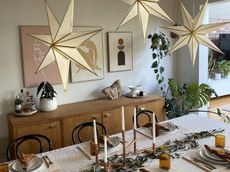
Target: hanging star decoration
{"points": [[193, 32], [143, 8], [63, 43]]}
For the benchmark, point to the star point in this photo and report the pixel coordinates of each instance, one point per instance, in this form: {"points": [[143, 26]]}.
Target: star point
{"points": [[143, 8], [193, 32], [63, 43]]}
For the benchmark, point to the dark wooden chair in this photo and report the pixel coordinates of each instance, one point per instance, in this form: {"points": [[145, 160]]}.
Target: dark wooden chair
{"points": [[147, 113], [81, 126], [14, 146]]}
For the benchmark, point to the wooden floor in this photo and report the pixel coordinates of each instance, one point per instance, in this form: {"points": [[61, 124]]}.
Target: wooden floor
{"points": [[221, 103]]}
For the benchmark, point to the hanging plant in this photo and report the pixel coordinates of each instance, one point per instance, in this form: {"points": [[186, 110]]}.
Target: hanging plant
{"points": [[160, 48]]}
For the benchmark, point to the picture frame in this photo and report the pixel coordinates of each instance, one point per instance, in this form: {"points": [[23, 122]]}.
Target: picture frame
{"points": [[33, 53], [120, 48], [92, 50]]}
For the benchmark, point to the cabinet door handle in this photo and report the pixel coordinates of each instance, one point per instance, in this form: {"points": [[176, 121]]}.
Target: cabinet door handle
{"points": [[142, 108], [107, 115], [52, 126], [96, 116]]}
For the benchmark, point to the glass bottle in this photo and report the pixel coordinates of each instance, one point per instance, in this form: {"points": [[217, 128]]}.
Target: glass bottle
{"points": [[164, 159], [18, 105]]}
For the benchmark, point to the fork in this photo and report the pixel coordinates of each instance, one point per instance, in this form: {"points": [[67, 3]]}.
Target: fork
{"points": [[209, 166]]}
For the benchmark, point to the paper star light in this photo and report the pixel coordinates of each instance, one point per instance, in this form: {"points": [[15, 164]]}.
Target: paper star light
{"points": [[194, 32], [63, 43], [143, 8]]}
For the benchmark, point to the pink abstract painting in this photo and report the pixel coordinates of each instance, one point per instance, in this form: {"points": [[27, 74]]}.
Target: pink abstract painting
{"points": [[33, 52]]}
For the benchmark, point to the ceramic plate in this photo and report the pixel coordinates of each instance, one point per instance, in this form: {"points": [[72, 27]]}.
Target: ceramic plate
{"points": [[170, 126], [34, 164], [113, 140], [205, 157], [213, 156]]}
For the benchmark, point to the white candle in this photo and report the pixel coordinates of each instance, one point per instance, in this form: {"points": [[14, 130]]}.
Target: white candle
{"points": [[154, 129], [95, 131], [105, 149], [135, 118], [123, 118]]}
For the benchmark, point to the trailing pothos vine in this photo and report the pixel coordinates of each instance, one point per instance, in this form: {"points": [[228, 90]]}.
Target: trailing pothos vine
{"points": [[160, 48]]}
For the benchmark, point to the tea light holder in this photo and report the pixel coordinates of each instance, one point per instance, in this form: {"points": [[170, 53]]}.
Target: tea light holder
{"points": [[220, 140]]}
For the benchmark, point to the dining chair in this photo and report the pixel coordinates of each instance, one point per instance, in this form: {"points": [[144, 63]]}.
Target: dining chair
{"points": [[79, 128], [14, 146], [146, 113]]}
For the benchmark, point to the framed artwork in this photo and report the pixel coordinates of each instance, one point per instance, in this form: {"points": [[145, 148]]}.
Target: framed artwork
{"points": [[33, 52], [120, 51], [92, 51]]}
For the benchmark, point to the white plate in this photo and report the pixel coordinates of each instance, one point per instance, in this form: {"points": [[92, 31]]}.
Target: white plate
{"points": [[205, 157], [34, 164], [170, 126], [113, 140]]}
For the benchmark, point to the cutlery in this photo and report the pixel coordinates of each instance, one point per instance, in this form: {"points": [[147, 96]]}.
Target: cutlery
{"points": [[194, 163], [209, 166], [48, 159], [45, 160]]}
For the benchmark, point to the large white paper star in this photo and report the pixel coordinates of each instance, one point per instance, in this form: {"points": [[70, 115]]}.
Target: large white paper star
{"points": [[194, 32], [143, 8], [63, 43]]}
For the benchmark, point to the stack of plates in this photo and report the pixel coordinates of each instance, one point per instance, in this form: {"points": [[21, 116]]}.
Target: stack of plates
{"points": [[34, 164], [206, 155]]}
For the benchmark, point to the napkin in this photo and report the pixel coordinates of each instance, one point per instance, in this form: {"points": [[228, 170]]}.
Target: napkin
{"points": [[25, 160]]}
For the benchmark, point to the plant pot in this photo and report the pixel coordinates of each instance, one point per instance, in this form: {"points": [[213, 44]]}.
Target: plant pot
{"points": [[47, 104], [217, 75]]}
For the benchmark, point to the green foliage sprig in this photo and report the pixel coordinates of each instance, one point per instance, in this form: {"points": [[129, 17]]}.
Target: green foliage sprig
{"points": [[47, 90], [160, 48]]}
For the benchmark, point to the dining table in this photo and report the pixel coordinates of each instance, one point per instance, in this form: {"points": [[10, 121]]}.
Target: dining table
{"points": [[76, 158]]}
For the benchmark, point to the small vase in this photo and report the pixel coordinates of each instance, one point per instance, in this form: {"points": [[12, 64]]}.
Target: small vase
{"points": [[47, 104]]}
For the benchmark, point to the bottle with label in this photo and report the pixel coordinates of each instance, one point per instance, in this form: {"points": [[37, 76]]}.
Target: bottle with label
{"points": [[18, 105], [164, 159]]}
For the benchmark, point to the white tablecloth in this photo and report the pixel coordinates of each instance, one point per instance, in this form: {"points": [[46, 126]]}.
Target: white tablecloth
{"points": [[71, 159]]}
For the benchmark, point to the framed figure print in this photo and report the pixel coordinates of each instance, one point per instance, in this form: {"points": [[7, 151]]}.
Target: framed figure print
{"points": [[92, 51], [34, 51], [120, 51]]}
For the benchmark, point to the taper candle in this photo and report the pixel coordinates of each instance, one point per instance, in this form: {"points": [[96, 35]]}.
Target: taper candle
{"points": [[105, 150], [135, 119], [154, 128], [95, 131], [123, 118]]}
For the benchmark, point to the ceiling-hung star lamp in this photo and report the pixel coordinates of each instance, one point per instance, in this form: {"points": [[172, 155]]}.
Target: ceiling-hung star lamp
{"points": [[63, 43], [193, 32], [143, 8]]}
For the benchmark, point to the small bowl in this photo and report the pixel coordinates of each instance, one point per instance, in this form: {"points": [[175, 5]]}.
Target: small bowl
{"points": [[134, 88]]}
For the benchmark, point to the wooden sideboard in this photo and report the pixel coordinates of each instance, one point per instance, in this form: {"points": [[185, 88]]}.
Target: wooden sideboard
{"points": [[58, 125]]}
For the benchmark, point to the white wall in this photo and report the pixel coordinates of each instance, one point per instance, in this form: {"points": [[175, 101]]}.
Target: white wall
{"points": [[105, 13]]}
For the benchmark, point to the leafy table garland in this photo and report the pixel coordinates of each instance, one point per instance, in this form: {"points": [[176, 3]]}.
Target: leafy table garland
{"points": [[190, 141]]}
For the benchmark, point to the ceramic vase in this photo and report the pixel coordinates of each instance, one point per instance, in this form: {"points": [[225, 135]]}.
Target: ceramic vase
{"points": [[47, 104]]}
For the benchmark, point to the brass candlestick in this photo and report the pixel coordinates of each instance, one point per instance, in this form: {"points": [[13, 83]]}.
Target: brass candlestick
{"points": [[154, 148], [135, 139], [107, 167], [124, 148], [96, 154]]}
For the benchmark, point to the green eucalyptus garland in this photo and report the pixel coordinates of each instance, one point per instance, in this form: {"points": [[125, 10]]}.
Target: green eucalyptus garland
{"points": [[190, 141]]}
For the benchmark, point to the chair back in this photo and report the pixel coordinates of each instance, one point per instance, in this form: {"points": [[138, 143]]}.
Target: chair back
{"points": [[14, 147], [80, 128], [146, 113]]}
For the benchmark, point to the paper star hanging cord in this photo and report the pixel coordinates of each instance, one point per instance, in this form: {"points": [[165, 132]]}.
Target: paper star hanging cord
{"points": [[63, 43], [193, 32], [143, 8]]}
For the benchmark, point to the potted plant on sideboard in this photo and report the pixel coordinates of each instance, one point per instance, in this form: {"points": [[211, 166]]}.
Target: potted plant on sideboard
{"points": [[48, 101]]}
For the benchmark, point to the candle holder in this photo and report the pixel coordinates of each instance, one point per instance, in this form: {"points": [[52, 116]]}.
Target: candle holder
{"points": [[154, 148], [124, 148], [107, 167], [135, 139]]}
